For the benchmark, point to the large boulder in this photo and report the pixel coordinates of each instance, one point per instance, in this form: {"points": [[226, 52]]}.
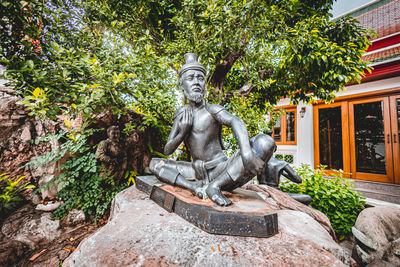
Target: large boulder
{"points": [[141, 232], [24, 231], [30, 227], [377, 234]]}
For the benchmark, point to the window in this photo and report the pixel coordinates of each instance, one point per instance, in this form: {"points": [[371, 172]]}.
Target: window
{"points": [[285, 129]]}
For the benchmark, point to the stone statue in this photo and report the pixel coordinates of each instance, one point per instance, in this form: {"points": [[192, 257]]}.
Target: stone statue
{"points": [[273, 171], [112, 155], [272, 175], [199, 126]]}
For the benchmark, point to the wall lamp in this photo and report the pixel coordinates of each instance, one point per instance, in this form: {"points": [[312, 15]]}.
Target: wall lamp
{"points": [[302, 112]]}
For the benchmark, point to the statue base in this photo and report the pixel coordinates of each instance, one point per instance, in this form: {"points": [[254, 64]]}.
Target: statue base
{"points": [[249, 215]]}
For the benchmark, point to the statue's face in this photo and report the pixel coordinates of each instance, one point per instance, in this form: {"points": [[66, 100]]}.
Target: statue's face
{"points": [[114, 135], [193, 83]]}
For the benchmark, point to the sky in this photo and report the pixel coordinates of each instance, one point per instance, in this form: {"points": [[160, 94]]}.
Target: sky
{"points": [[342, 6]]}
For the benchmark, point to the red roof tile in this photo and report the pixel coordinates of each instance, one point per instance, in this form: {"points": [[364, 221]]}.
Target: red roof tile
{"points": [[384, 20], [382, 55]]}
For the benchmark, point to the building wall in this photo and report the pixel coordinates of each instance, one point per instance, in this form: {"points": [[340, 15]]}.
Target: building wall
{"points": [[303, 152]]}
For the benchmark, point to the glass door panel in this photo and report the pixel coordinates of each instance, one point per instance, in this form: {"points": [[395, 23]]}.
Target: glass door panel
{"points": [[290, 126], [395, 126], [330, 137], [277, 132], [371, 155]]}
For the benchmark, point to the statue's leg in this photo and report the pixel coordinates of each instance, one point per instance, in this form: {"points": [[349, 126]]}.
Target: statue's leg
{"points": [[233, 176], [174, 173]]}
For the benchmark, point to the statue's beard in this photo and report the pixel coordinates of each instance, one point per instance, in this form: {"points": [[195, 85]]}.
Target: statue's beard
{"points": [[195, 97]]}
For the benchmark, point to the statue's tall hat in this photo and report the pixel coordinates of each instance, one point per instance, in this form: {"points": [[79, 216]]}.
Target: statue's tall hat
{"points": [[191, 64]]}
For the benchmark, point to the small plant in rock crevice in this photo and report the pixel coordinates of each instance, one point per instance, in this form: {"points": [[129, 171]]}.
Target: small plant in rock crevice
{"points": [[335, 197], [10, 193]]}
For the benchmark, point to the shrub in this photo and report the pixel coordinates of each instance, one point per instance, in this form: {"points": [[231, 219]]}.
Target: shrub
{"points": [[84, 188], [10, 193], [335, 197], [79, 185]]}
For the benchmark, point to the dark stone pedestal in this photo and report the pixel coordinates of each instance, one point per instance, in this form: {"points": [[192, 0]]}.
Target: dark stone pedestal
{"points": [[249, 215]]}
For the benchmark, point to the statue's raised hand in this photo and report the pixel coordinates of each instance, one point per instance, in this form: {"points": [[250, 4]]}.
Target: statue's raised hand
{"points": [[186, 121]]}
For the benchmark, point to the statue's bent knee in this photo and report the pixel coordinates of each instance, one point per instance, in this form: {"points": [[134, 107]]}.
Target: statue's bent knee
{"points": [[164, 172], [263, 145]]}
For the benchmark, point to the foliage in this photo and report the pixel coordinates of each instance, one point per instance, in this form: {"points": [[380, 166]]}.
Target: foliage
{"points": [[335, 197], [62, 64], [84, 188], [10, 193], [79, 184], [87, 56], [262, 50], [82, 58]]}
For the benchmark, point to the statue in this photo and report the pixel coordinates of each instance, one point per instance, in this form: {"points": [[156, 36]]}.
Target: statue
{"points": [[272, 174], [198, 125], [273, 171], [112, 155]]}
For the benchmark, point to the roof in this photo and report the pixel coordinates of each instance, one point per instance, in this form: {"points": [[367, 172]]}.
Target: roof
{"points": [[382, 54], [383, 17]]}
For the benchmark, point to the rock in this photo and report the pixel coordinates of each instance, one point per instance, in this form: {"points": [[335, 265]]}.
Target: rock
{"points": [[11, 251], [74, 217], [50, 206], [282, 200], [16, 129], [302, 225], [36, 199], [377, 234], [30, 228], [141, 232]]}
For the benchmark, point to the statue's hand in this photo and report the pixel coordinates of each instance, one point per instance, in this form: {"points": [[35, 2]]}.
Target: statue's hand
{"points": [[253, 165], [186, 121]]}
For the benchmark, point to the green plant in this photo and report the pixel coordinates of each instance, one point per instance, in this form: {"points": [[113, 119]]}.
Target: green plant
{"points": [[335, 197], [10, 192], [79, 185]]}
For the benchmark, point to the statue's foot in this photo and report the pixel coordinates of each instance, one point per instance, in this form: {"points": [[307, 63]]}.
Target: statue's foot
{"points": [[217, 197], [197, 188]]}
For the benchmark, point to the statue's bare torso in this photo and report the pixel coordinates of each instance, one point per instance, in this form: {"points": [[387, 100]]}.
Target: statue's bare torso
{"points": [[203, 141]]}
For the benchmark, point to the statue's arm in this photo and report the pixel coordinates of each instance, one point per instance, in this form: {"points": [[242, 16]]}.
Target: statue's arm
{"points": [[252, 163], [182, 123], [101, 153]]}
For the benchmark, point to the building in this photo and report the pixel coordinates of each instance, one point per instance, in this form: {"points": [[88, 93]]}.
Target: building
{"points": [[359, 132]]}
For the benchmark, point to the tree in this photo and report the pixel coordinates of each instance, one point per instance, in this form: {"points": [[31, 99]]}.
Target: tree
{"points": [[265, 50], [74, 57]]}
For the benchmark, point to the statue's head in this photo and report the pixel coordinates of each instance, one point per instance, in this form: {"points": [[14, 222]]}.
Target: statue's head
{"points": [[113, 133], [192, 78]]}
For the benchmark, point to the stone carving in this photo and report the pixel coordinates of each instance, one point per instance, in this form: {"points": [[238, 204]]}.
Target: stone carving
{"points": [[199, 126], [112, 155]]}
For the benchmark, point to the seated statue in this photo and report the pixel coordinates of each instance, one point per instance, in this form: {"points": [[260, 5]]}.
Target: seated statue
{"points": [[112, 155], [198, 125]]}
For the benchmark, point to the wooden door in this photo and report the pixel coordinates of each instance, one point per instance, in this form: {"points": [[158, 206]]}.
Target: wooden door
{"points": [[370, 140], [395, 140]]}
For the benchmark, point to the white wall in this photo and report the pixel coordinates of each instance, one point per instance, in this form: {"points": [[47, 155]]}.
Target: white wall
{"points": [[304, 151]]}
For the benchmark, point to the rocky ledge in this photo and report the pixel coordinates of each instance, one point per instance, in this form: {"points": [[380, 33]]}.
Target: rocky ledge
{"points": [[142, 233]]}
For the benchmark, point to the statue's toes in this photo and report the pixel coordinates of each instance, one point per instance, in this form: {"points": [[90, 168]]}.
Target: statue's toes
{"points": [[227, 202], [221, 200]]}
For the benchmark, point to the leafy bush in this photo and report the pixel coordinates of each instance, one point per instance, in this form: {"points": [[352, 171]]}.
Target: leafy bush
{"points": [[335, 197], [79, 185], [86, 190], [10, 193]]}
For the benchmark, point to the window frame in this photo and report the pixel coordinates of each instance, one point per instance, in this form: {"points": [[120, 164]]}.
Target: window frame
{"points": [[284, 126]]}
